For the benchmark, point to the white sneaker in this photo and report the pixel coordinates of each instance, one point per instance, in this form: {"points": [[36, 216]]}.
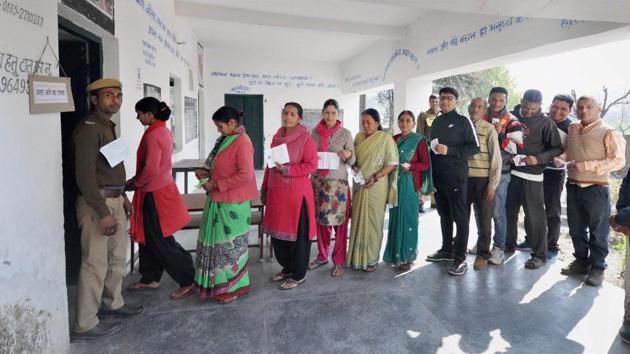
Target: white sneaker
{"points": [[496, 256], [473, 250]]}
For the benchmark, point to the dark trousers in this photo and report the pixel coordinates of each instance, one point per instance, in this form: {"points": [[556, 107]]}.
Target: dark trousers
{"points": [[450, 200], [293, 256], [159, 254], [588, 211], [552, 186], [529, 195], [476, 192]]}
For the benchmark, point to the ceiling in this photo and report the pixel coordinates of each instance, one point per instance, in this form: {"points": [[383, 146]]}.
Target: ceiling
{"points": [[337, 30]]}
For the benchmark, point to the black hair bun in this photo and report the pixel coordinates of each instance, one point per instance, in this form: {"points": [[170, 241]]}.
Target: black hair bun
{"points": [[165, 111]]}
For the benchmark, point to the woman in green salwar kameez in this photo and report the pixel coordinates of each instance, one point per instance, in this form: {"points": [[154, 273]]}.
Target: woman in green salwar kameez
{"points": [[414, 176], [228, 177], [377, 159]]}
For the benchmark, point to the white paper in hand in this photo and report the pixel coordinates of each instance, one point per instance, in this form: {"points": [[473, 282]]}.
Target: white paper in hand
{"points": [[434, 143], [519, 160], [327, 161], [115, 152], [279, 154], [358, 178]]}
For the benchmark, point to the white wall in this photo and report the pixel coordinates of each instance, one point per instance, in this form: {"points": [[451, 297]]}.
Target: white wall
{"points": [[278, 80], [32, 261], [148, 33], [32, 254]]}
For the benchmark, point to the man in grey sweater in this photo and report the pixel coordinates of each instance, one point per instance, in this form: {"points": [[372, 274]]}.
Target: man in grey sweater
{"points": [[541, 143]]}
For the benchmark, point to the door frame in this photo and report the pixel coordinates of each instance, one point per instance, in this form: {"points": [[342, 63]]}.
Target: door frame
{"points": [[262, 125], [94, 63]]}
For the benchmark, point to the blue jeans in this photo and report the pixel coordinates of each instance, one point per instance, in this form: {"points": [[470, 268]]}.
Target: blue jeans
{"points": [[588, 210], [499, 213]]}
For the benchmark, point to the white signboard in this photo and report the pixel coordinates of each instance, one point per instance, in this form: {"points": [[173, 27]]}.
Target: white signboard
{"points": [[49, 94]]}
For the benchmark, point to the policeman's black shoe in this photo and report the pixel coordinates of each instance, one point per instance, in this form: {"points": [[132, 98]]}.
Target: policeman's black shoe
{"points": [[124, 311], [102, 329]]}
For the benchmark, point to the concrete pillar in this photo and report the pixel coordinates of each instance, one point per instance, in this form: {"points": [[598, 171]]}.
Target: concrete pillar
{"points": [[418, 92]]}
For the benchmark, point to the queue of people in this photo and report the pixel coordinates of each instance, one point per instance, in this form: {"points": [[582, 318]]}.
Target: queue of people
{"points": [[495, 161]]}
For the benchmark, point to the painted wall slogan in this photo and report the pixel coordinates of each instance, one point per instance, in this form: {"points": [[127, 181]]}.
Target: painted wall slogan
{"points": [[269, 80], [14, 72], [404, 52], [566, 23], [160, 32], [149, 51], [359, 80], [21, 13], [495, 27]]}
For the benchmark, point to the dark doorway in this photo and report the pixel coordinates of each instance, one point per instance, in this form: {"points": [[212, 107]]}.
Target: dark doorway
{"points": [[252, 107], [80, 55]]}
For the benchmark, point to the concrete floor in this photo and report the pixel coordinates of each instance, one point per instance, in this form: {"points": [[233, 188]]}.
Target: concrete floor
{"points": [[503, 309]]}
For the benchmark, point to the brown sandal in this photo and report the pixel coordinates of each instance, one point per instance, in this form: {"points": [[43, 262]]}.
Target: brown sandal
{"points": [[143, 286], [336, 272], [183, 292], [405, 267], [370, 268], [228, 299], [279, 277], [291, 284]]}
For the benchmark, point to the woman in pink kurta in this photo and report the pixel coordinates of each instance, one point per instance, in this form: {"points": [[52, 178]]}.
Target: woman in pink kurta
{"points": [[228, 177], [158, 208], [288, 196]]}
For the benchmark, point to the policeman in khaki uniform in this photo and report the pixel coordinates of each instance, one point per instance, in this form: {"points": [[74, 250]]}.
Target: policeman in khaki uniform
{"points": [[102, 211]]}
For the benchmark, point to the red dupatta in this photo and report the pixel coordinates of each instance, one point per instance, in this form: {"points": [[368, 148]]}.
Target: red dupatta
{"points": [[172, 211]]}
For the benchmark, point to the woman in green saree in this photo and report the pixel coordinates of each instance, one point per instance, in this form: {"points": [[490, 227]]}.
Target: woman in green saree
{"points": [[228, 177], [374, 187], [414, 176]]}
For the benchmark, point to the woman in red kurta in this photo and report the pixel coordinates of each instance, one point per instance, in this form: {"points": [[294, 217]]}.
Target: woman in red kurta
{"points": [[288, 195], [158, 208]]}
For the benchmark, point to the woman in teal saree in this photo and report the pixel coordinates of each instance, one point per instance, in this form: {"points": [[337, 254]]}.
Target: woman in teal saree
{"points": [[414, 176]]}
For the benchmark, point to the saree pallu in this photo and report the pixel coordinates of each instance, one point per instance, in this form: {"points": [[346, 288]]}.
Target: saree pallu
{"points": [[402, 235], [368, 204], [222, 252]]}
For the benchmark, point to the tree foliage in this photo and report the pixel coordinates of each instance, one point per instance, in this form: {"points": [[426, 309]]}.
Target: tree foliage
{"points": [[386, 99], [479, 84]]}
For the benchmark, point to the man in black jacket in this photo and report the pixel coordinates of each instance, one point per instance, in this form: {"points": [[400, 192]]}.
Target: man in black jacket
{"points": [[453, 142], [553, 183], [620, 222], [541, 143]]}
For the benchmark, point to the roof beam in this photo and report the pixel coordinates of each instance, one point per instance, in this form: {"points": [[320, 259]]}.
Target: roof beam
{"points": [[233, 15]]}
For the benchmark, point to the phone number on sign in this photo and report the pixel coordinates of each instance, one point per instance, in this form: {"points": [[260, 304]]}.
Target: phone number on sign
{"points": [[21, 13], [11, 85]]}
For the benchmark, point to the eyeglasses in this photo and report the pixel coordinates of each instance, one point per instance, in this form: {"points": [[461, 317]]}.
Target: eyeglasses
{"points": [[447, 98]]}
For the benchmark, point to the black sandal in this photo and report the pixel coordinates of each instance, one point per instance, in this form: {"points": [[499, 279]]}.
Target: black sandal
{"points": [[316, 264], [280, 277]]}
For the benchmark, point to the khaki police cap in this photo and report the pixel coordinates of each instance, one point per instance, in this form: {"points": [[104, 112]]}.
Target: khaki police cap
{"points": [[103, 83]]}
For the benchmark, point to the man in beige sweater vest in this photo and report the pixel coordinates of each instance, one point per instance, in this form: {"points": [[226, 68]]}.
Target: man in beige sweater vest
{"points": [[484, 173], [593, 150]]}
